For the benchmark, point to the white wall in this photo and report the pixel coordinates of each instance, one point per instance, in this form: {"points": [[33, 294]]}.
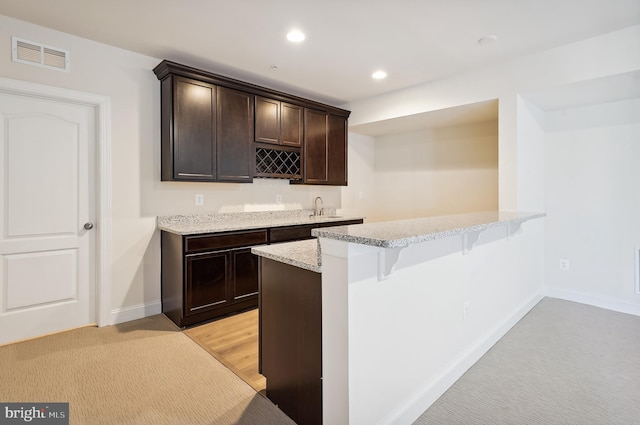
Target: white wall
{"points": [[358, 198], [436, 171], [530, 121], [124, 77], [524, 137], [593, 203], [614, 53], [138, 194]]}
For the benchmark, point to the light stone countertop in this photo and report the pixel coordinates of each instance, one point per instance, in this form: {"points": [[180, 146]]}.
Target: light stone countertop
{"points": [[391, 234], [224, 222], [401, 233], [303, 254]]}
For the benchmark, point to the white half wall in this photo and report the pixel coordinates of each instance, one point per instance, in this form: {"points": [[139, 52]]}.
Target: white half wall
{"points": [[407, 338]]}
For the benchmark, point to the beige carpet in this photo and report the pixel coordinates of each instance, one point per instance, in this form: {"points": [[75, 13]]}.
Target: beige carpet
{"points": [[140, 372], [563, 363]]}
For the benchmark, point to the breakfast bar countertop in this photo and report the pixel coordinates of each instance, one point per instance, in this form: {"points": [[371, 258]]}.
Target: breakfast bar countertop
{"points": [[226, 222], [392, 234], [303, 254], [401, 233]]}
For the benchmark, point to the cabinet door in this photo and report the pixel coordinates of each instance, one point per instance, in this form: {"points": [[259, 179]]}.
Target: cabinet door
{"points": [[337, 151], [245, 274], [315, 146], [194, 131], [206, 282], [325, 149], [235, 152], [278, 122], [267, 120], [291, 119]]}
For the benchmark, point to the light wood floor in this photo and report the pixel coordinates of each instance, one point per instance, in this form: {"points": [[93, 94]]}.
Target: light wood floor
{"points": [[234, 342]]}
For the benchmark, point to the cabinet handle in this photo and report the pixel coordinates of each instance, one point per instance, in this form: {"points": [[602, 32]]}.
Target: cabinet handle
{"points": [[88, 226]]}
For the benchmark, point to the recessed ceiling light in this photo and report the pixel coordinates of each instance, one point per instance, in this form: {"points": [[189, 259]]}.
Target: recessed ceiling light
{"points": [[379, 75], [487, 39], [295, 36]]}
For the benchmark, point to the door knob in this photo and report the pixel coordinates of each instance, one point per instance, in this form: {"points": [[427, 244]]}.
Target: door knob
{"points": [[88, 226]]}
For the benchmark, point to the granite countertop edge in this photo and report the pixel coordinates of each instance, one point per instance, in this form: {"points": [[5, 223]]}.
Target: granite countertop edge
{"points": [[402, 233], [305, 254], [228, 222], [302, 254]]}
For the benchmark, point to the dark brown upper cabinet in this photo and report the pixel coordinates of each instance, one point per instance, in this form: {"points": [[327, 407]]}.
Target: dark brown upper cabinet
{"points": [[325, 148], [235, 156], [214, 128], [337, 155], [267, 120], [278, 123], [188, 130], [291, 119], [207, 132]]}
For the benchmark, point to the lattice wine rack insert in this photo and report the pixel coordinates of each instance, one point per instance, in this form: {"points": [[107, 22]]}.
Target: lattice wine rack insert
{"points": [[277, 163]]}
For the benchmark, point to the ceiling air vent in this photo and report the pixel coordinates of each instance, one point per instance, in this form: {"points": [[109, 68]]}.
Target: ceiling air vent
{"points": [[32, 53]]}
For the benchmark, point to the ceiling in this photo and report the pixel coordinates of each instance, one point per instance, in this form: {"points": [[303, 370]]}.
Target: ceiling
{"points": [[589, 92], [414, 41]]}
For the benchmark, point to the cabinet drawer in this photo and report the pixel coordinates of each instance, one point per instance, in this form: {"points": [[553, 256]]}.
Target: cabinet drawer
{"points": [[282, 234], [229, 240], [296, 233]]}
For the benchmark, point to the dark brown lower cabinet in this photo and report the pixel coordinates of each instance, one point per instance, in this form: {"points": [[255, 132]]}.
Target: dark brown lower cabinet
{"points": [[245, 274], [207, 286], [291, 339], [209, 276]]}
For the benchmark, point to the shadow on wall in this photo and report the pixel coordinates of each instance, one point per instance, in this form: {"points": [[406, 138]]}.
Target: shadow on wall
{"points": [[449, 148], [437, 171]]}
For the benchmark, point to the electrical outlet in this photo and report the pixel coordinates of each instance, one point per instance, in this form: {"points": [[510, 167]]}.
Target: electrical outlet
{"points": [[278, 199], [360, 195], [465, 310], [564, 264], [199, 200]]}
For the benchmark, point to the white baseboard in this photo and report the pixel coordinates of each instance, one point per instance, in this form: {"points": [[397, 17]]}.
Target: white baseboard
{"points": [[423, 399], [594, 300], [126, 314]]}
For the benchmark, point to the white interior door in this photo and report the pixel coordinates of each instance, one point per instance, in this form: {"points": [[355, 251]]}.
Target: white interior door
{"points": [[46, 181]]}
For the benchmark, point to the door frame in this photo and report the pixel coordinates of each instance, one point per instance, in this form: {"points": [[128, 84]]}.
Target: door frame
{"points": [[102, 169]]}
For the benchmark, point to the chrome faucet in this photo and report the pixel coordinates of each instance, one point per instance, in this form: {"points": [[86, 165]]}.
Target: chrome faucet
{"points": [[318, 211]]}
